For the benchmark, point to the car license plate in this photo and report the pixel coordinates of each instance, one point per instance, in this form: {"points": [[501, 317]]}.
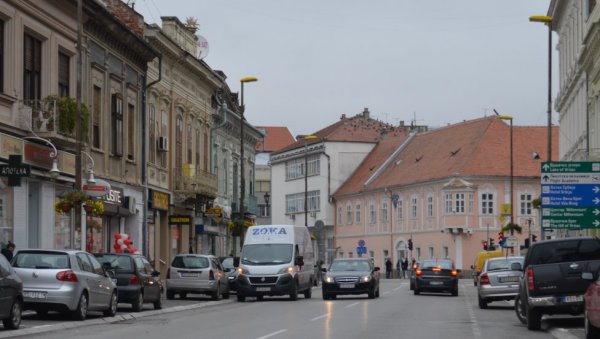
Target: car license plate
{"points": [[346, 285], [572, 298], [436, 282], [189, 275], [263, 289], [513, 278], [34, 295]]}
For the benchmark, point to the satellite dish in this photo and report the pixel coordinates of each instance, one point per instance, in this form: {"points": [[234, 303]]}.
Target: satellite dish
{"points": [[202, 44]]}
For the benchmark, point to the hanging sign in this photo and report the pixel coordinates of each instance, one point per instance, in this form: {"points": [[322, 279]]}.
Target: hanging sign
{"points": [[98, 189]]}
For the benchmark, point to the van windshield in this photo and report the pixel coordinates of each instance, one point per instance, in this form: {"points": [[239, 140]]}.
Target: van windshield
{"points": [[266, 254]]}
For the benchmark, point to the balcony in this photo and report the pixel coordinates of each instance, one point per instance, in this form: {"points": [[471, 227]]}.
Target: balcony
{"points": [[52, 118], [189, 181]]}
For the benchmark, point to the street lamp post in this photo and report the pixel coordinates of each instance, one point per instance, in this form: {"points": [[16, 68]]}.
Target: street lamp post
{"points": [[393, 198], [242, 167], [306, 139], [267, 196], [512, 210]]}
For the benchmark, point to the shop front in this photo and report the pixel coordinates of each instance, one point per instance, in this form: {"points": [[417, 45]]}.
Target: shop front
{"points": [[158, 227]]}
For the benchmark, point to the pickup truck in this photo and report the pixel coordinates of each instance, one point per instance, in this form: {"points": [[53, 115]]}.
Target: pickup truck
{"points": [[552, 281]]}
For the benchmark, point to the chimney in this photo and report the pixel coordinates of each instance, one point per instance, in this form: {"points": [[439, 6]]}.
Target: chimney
{"points": [[130, 18], [343, 117], [401, 123], [366, 113]]}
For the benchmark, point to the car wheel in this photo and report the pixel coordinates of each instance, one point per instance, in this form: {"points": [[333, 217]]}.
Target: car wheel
{"points": [[138, 302], [112, 307], [519, 310], [482, 303], [591, 331], [158, 302], [308, 293], [82, 306], [216, 295], [416, 291], [14, 318], [294, 292], [455, 292], [241, 298], [534, 319], [170, 295]]}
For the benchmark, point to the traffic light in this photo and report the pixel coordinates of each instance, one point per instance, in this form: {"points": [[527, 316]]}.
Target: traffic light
{"points": [[491, 245], [485, 245], [410, 244], [533, 238], [500, 237]]}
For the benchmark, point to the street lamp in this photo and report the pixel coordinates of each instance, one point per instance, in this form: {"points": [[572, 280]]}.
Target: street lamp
{"points": [[242, 169], [548, 21], [512, 210], [306, 138], [267, 197], [91, 180]]}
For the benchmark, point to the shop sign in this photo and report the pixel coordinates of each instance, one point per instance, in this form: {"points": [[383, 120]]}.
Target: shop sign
{"points": [[100, 188], [114, 196], [214, 212], [160, 201], [15, 170], [180, 220]]}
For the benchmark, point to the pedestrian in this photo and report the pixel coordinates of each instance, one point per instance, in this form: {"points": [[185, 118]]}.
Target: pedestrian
{"points": [[399, 267], [388, 268], [9, 250], [404, 266]]}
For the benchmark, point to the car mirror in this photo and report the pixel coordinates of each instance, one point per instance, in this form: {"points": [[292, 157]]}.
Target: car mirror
{"points": [[299, 261], [155, 273], [516, 266], [106, 266], [323, 270], [587, 276]]}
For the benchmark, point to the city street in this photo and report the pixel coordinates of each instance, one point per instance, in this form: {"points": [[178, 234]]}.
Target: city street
{"points": [[396, 314]]}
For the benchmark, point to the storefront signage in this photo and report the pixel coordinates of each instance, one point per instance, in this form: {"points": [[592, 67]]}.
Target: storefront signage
{"points": [[10, 145], [15, 170], [114, 196], [160, 201], [38, 155], [180, 220], [100, 188], [214, 212]]}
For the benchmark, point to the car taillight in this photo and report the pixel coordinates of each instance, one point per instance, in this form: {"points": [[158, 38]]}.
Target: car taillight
{"points": [[419, 273], [484, 279], [211, 275], [530, 286], [454, 273], [133, 280], [68, 276]]}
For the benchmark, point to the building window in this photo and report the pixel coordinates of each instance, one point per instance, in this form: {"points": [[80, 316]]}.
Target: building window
{"points": [[471, 203], [413, 203], [63, 74], [131, 131], [429, 206], [295, 203], [372, 214], [190, 160], [314, 200], [117, 124], [525, 203], [164, 125], [349, 214], [32, 64], [487, 203], [400, 209], [459, 202], [205, 152], [418, 249], [448, 203], [263, 211], [294, 169], [179, 142], [430, 252], [357, 213], [1, 56], [96, 116], [445, 250], [339, 216], [198, 148], [384, 212]]}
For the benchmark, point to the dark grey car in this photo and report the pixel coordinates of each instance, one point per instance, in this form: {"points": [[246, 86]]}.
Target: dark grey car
{"points": [[11, 295], [351, 276]]}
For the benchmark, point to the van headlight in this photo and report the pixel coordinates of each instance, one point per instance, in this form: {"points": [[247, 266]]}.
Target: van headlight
{"points": [[242, 270], [329, 280], [365, 278], [289, 269]]}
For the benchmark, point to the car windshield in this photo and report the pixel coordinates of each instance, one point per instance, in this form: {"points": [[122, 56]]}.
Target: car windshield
{"points": [[120, 263], [349, 265], [561, 251], [41, 260], [436, 263], [502, 264], [190, 261], [228, 263], [266, 254]]}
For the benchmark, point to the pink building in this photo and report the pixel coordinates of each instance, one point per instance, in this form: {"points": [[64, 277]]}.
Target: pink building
{"points": [[447, 189]]}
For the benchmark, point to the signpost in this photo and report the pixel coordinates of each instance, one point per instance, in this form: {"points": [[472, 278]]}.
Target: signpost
{"points": [[361, 248], [570, 195]]}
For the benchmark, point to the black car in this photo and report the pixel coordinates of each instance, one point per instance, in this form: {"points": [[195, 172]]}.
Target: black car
{"points": [[137, 281], [11, 295], [350, 276], [231, 270], [436, 275]]}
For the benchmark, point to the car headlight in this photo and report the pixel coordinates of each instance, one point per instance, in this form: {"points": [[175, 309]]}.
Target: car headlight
{"points": [[242, 270], [365, 278], [289, 269], [329, 280]]}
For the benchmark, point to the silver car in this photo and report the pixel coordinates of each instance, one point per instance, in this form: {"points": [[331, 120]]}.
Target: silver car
{"points": [[497, 281], [197, 273], [65, 281]]}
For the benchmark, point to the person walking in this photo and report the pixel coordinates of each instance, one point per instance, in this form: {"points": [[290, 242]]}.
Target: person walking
{"points": [[9, 250], [388, 268], [399, 268], [404, 266]]}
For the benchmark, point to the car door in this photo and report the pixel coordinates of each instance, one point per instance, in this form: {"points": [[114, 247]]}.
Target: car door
{"points": [[104, 282], [91, 281], [151, 288]]}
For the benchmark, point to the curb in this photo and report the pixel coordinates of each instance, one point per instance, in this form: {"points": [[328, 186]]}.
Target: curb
{"points": [[106, 320]]}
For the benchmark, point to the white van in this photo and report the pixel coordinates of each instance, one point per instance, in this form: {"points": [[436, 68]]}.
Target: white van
{"points": [[276, 260]]}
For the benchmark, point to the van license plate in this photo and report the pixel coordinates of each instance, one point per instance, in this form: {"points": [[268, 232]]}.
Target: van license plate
{"points": [[263, 289], [346, 285]]}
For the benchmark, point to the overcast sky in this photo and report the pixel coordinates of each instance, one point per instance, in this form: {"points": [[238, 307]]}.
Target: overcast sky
{"points": [[436, 62]]}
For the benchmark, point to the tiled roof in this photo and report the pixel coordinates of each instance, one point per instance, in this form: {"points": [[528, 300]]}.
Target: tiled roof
{"points": [[276, 137], [479, 147]]}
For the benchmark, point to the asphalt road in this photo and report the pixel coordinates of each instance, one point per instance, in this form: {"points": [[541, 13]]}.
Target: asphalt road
{"points": [[396, 314]]}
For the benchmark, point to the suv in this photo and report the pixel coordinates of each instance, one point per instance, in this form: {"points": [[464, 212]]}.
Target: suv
{"points": [[553, 278], [197, 273], [137, 281]]}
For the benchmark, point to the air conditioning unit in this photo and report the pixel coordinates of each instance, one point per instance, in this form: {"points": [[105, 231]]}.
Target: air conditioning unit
{"points": [[163, 144], [129, 203], [313, 214]]}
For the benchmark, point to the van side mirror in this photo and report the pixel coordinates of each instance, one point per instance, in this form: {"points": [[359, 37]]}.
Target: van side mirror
{"points": [[236, 261], [376, 269], [516, 266], [587, 276], [299, 261]]}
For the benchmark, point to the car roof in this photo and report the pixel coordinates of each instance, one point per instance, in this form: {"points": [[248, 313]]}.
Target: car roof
{"points": [[41, 250], [352, 259], [504, 258]]}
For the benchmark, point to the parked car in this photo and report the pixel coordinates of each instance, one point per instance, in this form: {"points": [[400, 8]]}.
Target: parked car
{"points": [[350, 276], [65, 281], [436, 275], [591, 312], [137, 281], [197, 273], [498, 281], [480, 259], [231, 271], [11, 295]]}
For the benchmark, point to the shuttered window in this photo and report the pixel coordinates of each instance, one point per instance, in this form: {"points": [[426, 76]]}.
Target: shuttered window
{"points": [[117, 124], [96, 114], [130, 131], [63, 74], [32, 72]]}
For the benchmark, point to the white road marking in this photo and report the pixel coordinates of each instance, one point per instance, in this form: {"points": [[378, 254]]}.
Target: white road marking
{"points": [[320, 317], [474, 325], [272, 334], [386, 292], [399, 287], [562, 333], [351, 305]]}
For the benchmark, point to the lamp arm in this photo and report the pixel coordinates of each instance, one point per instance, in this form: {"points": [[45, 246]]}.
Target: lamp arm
{"points": [[90, 168], [54, 152]]}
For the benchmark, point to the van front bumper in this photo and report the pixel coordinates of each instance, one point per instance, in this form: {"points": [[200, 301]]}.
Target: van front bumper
{"points": [[254, 285]]}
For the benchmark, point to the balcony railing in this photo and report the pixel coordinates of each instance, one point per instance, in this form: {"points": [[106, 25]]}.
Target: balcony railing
{"points": [[192, 180], [44, 118]]}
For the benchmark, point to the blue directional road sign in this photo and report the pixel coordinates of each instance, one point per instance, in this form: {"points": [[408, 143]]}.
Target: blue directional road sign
{"points": [[570, 195]]}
